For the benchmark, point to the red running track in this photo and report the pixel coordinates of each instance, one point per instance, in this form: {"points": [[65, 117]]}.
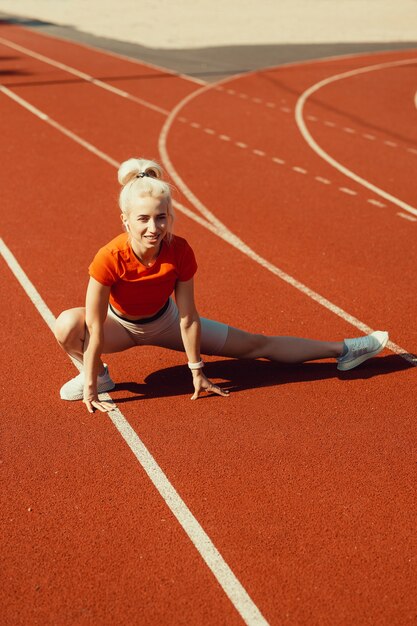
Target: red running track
{"points": [[303, 479]]}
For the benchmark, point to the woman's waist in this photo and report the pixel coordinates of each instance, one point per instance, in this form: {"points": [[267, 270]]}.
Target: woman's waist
{"points": [[139, 319]]}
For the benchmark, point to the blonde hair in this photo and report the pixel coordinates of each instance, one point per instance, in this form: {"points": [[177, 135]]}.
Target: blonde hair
{"points": [[142, 177]]}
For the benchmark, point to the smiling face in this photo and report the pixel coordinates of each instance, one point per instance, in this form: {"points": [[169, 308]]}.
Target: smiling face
{"points": [[147, 224]]}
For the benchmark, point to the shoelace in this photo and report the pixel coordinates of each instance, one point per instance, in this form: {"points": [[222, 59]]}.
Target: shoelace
{"points": [[359, 345]]}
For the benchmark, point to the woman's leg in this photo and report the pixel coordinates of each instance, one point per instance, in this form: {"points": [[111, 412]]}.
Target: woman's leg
{"points": [[72, 334], [241, 344]]}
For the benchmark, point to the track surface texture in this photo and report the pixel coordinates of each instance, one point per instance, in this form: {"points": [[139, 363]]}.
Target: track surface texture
{"points": [[296, 187]]}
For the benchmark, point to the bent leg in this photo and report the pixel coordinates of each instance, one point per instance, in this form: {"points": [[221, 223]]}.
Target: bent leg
{"points": [[72, 334], [241, 344]]}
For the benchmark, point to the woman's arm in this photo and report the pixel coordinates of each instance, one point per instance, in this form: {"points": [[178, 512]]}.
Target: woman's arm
{"points": [[190, 332], [96, 304]]}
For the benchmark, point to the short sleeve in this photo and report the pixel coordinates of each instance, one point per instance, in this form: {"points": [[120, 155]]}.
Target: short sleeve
{"points": [[103, 267], [187, 265]]}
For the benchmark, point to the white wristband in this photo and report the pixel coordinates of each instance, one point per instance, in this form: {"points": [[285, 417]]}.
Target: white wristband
{"points": [[196, 366]]}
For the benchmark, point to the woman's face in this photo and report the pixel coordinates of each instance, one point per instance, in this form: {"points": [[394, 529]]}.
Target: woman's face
{"points": [[147, 222]]}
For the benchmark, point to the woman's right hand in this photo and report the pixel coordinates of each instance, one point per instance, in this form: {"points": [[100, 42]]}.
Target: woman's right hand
{"points": [[93, 402]]}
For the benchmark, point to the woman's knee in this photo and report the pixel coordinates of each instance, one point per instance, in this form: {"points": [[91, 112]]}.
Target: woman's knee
{"points": [[245, 345], [70, 325]]}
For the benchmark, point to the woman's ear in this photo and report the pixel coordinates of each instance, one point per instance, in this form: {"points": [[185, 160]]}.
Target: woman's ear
{"points": [[124, 222]]}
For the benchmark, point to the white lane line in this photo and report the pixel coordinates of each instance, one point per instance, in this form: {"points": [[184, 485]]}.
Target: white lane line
{"points": [[241, 144], [259, 152], [278, 160], [207, 219], [28, 286], [368, 136], [348, 191], [227, 235], [195, 532], [110, 53], [83, 76], [209, 131], [412, 150], [299, 116], [299, 170], [349, 130], [57, 126], [224, 137], [326, 123], [410, 218], [392, 144]]}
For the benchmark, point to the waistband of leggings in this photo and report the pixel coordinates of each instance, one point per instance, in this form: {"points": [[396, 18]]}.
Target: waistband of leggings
{"points": [[143, 320]]}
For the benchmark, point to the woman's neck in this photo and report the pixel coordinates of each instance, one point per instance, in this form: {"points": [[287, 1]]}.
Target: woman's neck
{"points": [[146, 257]]}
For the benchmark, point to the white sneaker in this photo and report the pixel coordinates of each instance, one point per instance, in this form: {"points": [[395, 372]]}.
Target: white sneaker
{"points": [[361, 349], [74, 388]]}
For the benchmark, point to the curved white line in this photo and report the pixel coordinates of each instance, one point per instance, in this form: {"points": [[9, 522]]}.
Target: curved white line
{"points": [[221, 230], [323, 154]]}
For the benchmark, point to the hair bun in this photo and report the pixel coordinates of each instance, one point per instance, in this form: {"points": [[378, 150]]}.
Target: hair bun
{"points": [[129, 169]]}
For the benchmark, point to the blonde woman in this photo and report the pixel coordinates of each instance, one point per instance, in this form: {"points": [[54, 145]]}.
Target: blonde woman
{"points": [[129, 302]]}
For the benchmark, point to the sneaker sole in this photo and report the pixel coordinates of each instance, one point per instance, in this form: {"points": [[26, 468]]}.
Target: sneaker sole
{"points": [[351, 364], [101, 389]]}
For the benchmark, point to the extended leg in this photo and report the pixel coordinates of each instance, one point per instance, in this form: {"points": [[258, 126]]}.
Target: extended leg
{"points": [[241, 344]]}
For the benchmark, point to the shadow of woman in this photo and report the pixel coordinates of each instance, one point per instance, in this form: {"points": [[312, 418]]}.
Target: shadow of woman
{"points": [[239, 375]]}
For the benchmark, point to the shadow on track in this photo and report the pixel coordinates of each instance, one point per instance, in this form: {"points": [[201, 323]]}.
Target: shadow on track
{"points": [[239, 375]]}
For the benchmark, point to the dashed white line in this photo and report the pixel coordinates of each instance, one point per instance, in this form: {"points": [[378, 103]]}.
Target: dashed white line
{"points": [[285, 110], [368, 136], [312, 118], [241, 144], [410, 218], [224, 137], [325, 181], [299, 170], [376, 202], [195, 125], [392, 144], [271, 105], [327, 123], [412, 150], [209, 131], [259, 152], [278, 160], [348, 191], [349, 130]]}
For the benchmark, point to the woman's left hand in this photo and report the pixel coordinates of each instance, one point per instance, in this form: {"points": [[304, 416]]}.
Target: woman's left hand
{"points": [[202, 383]]}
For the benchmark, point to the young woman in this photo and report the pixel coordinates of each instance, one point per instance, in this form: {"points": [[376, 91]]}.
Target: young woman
{"points": [[129, 302]]}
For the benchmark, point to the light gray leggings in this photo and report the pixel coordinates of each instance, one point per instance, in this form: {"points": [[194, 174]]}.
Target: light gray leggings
{"points": [[165, 331]]}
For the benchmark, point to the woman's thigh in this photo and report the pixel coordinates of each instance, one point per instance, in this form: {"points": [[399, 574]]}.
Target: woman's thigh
{"points": [[213, 336], [116, 338]]}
